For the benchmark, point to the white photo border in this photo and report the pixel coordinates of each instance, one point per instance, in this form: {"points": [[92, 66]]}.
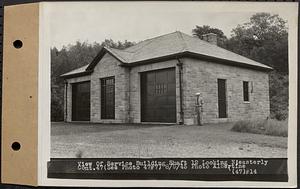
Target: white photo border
{"points": [[291, 8]]}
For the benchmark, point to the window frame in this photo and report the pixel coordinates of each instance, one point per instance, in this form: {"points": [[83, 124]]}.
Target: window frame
{"points": [[246, 92], [103, 99], [220, 80]]}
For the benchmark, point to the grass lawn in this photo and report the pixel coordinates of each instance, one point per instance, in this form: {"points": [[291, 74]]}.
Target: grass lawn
{"points": [[69, 140], [263, 126]]}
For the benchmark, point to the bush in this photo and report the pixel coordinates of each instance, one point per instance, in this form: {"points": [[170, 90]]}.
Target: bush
{"points": [[279, 95], [57, 112], [276, 128], [268, 127]]}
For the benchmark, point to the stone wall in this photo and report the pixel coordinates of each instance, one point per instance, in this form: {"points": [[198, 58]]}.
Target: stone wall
{"points": [[201, 76], [198, 76], [107, 67]]}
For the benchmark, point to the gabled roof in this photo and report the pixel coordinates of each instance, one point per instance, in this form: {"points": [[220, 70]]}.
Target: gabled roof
{"points": [[76, 71], [170, 46]]}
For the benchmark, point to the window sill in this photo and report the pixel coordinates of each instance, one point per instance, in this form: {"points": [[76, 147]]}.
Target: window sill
{"points": [[246, 102]]}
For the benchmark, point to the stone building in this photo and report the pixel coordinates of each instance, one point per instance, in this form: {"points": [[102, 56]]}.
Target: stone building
{"points": [[160, 80]]}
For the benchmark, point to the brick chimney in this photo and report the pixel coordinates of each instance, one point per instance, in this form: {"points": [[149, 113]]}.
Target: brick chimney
{"points": [[210, 37]]}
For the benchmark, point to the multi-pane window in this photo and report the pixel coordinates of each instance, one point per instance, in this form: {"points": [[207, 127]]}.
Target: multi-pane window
{"points": [[108, 98], [246, 91], [160, 88]]}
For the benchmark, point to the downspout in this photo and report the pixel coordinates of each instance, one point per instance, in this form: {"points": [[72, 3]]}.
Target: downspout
{"points": [[179, 64], [66, 101], [129, 96]]}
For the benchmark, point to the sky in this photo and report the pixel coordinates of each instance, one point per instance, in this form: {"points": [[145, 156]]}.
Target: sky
{"points": [[137, 21]]}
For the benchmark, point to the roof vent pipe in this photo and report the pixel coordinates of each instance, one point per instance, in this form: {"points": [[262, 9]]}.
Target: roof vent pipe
{"points": [[210, 37]]}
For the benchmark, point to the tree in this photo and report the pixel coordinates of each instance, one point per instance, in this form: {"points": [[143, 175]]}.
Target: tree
{"points": [[199, 31], [279, 97], [265, 39], [117, 45]]}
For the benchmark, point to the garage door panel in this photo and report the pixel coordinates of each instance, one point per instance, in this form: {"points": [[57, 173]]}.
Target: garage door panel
{"points": [[81, 101], [150, 78], [158, 90], [171, 99], [161, 77], [171, 77], [150, 90], [171, 89], [162, 101]]}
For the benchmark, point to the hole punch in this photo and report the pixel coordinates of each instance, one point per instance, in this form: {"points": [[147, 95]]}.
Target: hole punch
{"points": [[16, 146], [18, 44]]}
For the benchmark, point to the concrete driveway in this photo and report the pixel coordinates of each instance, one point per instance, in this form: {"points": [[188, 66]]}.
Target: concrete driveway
{"points": [[69, 140]]}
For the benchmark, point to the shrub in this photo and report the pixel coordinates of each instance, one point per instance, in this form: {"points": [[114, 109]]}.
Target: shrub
{"points": [[57, 112], [279, 95], [267, 127], [276, 128]]}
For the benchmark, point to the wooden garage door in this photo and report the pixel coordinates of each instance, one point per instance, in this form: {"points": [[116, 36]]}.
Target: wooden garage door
{"points": [[158, 96], [81, 101]]}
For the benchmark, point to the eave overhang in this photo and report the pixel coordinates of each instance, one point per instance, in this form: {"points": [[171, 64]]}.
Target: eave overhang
{"points": [[188, 54], [77, 74], [185, 54]]}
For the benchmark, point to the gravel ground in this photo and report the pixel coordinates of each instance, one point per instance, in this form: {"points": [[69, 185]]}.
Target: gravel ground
{"points": [[69, 140]]}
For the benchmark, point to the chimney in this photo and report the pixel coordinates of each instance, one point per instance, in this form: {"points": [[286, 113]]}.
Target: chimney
{"points": [[210, 37]]}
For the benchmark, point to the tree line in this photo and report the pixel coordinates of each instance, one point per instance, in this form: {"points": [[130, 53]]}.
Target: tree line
{"points": [[263, 38]]}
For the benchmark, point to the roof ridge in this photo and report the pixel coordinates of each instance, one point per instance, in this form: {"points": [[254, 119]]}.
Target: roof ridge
{"points": [[219, 47], [140, 49], [169, 46], [159, 36], [112, 50], [150, 41], [184, 44], [136, 51], [115, 49]]}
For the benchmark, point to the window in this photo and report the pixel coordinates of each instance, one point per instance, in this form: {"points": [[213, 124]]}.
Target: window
{"points": [[246, 91], [108, 98], [160, 88], [222, 103]]}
